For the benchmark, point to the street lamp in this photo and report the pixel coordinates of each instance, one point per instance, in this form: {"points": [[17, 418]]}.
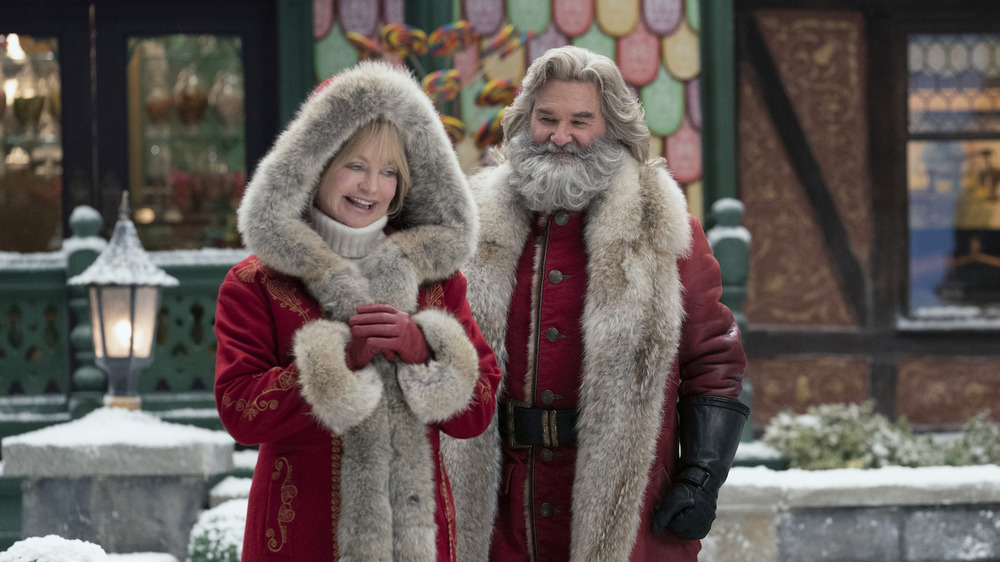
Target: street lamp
{"points": [[124, 286]]}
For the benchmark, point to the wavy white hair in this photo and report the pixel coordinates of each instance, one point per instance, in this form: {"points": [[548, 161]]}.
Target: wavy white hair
{"points": [[622, 111]]}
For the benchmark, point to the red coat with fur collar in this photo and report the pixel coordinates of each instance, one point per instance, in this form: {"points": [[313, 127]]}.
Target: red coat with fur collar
{"points": [[294, 506]]}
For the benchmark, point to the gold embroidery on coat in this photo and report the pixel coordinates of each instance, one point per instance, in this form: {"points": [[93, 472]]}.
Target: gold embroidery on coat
{"points": [[248, 272], [281, 291], [434, 296], [284, 293], [335, 497], [485, 393], [251, 408], [449, 510], [285, 512]]}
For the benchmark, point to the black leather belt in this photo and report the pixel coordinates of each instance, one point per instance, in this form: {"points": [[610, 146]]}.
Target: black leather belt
{"points": [[523, 427]]}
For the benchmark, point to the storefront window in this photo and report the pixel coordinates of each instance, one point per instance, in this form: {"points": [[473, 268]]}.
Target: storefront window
{"points": [[31, 160], [953, 176], [187, 152]]}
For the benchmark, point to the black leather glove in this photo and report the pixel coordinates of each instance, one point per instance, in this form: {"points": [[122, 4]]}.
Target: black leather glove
{"points": [[710, 429]]}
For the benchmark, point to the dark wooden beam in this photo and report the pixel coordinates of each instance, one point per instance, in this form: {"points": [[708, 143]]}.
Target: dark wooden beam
{"points": [[846, 266]]}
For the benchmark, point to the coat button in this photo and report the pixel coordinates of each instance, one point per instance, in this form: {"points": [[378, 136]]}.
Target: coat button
{"points": [[553, 334], [555, 276], [546, 510], [545, 454], [548, 396], [562, 217]]}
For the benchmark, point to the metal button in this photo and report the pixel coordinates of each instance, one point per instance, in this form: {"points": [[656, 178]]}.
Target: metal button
{"points": [[552, 334], [547, 510], [555, 276], [545, 454], [548, 396], [562, 217]]}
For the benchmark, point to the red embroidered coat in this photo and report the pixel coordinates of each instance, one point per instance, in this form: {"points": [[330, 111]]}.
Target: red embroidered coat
{"points": [[349, 461], [295, 493]]}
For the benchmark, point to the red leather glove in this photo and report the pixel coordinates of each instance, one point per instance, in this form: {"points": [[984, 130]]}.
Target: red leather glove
{"points": [[358, 353], [390, 332]]}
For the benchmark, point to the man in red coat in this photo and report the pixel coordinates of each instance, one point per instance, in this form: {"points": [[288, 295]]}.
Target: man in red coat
{"points": [[600, 295]]}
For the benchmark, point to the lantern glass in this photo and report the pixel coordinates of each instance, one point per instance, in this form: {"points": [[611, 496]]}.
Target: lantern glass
{"points": [[144, 320], [124, 319]]}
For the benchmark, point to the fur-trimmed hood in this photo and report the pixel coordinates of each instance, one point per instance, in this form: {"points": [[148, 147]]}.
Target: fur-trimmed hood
{"points": [[436, 230]]}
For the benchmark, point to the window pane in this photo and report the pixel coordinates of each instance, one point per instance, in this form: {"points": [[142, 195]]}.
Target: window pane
{"points": [[954, 83], [31, 147], [954, 192], [953, 175], [186, 139]]}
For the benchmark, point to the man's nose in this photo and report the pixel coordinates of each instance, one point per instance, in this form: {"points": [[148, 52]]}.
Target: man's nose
{"points": [[561, 135]]}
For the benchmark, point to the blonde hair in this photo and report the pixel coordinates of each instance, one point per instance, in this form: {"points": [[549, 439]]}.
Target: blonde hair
{"points": [[390, 146], [622, 112]]}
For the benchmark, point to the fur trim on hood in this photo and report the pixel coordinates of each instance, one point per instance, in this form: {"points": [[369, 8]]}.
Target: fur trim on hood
{"points": [[436, 231], [387, 472]]}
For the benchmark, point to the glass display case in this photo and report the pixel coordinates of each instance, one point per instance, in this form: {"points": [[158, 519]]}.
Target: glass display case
{"points": [[187, 147], [31, 165], [174, 101]]}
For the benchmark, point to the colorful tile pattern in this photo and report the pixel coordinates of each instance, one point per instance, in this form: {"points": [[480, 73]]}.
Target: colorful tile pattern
{"points": [[654, 42]]}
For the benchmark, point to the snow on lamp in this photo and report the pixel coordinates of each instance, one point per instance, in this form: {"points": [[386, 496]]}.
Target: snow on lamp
{"points": [[125, 288]]}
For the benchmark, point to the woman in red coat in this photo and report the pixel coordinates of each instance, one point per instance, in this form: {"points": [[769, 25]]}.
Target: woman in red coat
{"points": [[346, 344]]}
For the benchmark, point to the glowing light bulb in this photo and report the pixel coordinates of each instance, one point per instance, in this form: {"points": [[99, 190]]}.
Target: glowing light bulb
{"points": [[123, 331]]}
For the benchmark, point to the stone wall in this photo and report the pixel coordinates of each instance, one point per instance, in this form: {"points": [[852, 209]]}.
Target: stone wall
{"points": [[894, 514]]}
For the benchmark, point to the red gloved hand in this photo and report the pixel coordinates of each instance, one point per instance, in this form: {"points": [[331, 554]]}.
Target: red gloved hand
{"points": [[390, 332], [358, 353]]}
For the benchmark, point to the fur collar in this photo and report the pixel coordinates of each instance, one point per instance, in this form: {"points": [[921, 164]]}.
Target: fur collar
{"points": [[633, 310]]}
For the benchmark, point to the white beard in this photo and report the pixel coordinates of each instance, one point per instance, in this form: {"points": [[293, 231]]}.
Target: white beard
{"points": [[550, 177]]}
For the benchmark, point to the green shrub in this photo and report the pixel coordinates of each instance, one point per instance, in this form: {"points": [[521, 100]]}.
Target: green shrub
{"points": [[852, 436], [217, 536]]}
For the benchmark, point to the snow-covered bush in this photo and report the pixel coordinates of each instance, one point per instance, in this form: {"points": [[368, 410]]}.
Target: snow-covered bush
{"points": [[53, 548], [979, 444], [853, 436], [217, 536]]}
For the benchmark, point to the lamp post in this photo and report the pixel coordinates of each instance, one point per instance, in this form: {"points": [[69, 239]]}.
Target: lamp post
{"points": [[124, 286]]}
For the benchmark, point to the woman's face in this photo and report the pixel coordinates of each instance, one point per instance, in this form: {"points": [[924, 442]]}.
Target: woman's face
{"points": [[359, 192]]}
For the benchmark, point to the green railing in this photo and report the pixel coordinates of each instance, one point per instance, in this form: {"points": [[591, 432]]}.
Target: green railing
{"points": [[47, 373]]}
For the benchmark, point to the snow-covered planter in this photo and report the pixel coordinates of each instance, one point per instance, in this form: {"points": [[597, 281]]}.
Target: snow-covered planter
{"points": [[53, 548], [218, 534]]}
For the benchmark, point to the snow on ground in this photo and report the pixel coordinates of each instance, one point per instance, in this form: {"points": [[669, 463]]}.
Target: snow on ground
{"points": [[926, 477], [117, 426]]}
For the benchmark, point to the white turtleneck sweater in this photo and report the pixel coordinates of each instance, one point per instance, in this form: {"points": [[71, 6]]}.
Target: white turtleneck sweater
{"points": [[347, 241]]}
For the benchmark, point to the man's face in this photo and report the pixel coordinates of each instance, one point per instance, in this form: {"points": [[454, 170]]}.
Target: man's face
{"points": [[567, 112]]}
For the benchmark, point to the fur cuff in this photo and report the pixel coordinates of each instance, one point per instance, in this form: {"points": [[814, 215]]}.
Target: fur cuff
{"points": [[441, 388], [340, 398]]}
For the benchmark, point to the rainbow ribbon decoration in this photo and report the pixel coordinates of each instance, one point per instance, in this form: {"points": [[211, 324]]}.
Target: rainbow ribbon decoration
{"points": [[403, 40], [365, 46], [490, 132], [498, 41], [450, 38], [499, 91], [454, 127], [442, 85]]}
